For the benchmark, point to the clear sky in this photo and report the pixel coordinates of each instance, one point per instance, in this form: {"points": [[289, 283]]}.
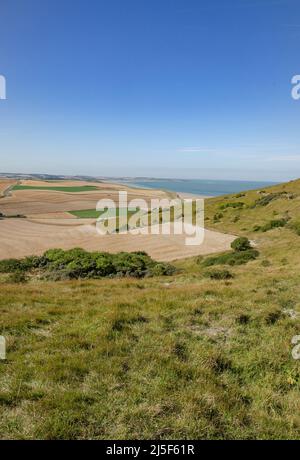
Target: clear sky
{"points": [[164, 88]]}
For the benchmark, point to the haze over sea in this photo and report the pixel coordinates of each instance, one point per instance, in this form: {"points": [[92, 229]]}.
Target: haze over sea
{"points": [[198, 186]]}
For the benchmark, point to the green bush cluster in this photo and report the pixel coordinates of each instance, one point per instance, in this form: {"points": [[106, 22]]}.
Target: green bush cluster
{"points": [[265, 200], [232, 258], [217, 217], [234, 204], [241, 254], [218, 274], [17, 277], [20, 265], [57, 264], [275, 223], [241, 244]]}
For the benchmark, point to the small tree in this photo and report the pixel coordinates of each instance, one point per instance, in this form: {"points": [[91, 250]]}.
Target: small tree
{"points": [[241, 244]]}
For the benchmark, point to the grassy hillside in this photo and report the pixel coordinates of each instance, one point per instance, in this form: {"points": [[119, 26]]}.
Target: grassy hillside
{"points": [[242, 212], [182, 356]]}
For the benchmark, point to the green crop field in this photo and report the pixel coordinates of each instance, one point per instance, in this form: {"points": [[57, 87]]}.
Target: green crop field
{"points": [[204, 353], [86, 213], [82, 188], [92, 213]]}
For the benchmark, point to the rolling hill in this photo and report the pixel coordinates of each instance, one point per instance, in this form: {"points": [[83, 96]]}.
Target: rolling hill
{"points": [[203, 354]]}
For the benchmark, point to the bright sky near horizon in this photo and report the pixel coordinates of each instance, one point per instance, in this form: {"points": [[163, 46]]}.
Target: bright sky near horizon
{"points": [[162, 88]]}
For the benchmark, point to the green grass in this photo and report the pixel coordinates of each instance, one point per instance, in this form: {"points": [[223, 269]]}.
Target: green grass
{"points": [[93, 214], [162, 358], [178, 357], [86, 213], [82, 188]]}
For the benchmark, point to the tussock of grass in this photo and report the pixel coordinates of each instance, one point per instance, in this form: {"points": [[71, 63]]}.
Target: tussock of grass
{"points": [[218, 274]]}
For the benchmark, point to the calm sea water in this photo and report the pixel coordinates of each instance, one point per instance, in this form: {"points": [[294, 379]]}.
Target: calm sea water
{"points": [[199, 186]]}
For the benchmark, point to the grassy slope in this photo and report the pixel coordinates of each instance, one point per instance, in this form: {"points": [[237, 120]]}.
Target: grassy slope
{"points": [[178, 357]]}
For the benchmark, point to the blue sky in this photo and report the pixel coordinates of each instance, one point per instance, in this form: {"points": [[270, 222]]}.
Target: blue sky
{"points": [[164, 88]]}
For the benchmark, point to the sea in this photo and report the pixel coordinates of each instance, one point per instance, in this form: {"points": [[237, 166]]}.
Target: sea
{"points": [[198, 186]]}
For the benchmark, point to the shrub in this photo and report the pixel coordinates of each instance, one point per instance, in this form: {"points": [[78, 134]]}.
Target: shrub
{"points": [[241, 244], [18, 277], [161, 269], [218, 274], [256, 228], [265, 263], [218, 216], [273, 316], [232, 258], [243, 319], [234, 204], [57, 264], [275, 223], [265, 200], [11, 265]]}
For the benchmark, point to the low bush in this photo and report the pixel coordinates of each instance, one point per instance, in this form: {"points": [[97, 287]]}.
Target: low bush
{"points": [[218, 274], [77, 263], [241, 244], [218, 216], [11, 265], [232, 258], [265, 200], [275, 223], [18, 277], [233, 204], [273, 316]]}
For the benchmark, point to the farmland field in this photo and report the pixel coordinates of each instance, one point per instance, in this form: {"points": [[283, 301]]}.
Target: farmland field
{"points": [[93, 214], [83, 188], [58, 219]]}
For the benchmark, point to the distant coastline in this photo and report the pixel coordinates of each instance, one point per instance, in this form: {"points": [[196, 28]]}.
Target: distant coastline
{"points": [[195, 187], [203, 188]]}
